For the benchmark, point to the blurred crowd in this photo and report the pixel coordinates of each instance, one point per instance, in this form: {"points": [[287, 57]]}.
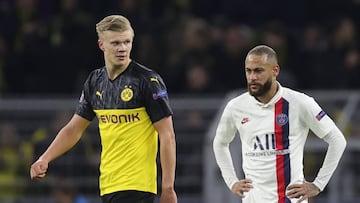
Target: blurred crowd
{"points": [[74, 171], [49, 46]]}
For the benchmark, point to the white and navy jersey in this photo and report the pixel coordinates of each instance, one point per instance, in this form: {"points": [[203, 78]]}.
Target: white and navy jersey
{"points": [[273, 136]]}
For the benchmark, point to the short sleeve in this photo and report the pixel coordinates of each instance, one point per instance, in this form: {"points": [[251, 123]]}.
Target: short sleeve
{"points": [[156, 97], [84, 108]]}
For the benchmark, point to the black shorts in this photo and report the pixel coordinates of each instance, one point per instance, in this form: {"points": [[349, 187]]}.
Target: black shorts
{"points": [[128, 196]]}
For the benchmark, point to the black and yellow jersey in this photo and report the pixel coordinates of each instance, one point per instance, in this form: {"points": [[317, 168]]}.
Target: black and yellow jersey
{"points": [[126, 107]]}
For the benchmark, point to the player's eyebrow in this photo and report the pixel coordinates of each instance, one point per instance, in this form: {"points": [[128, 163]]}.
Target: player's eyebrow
{"points": [[256, 69]]}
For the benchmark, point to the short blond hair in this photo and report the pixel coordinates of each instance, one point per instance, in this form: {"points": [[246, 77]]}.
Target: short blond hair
{"points": [[117, 23]]}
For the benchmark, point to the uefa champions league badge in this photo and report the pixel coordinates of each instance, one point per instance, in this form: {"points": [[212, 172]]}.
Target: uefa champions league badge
{"points": [[282, 119], [159, 94], [320, 115]]}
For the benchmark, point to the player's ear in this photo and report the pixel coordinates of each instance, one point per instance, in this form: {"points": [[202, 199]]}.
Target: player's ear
{"points": [[276, 70], [101, 45]]}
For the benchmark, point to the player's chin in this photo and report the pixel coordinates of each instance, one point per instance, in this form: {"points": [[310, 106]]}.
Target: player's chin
{"points": [[253, 91], [253, 88]]}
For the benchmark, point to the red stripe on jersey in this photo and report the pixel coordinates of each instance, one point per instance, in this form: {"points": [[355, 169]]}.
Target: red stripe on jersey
{"points": [[282, 160]]}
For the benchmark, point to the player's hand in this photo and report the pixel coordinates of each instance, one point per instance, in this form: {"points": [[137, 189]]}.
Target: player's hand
{"points": [[303, 191], [168, 196], [244, 185], [38, 169]]}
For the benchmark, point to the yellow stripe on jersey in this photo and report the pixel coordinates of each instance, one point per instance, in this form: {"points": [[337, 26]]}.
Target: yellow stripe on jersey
{"points": [[129, 147]]}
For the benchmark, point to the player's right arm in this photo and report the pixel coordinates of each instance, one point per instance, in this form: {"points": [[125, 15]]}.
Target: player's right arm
{"points": [[225, 134], [67, 137]]}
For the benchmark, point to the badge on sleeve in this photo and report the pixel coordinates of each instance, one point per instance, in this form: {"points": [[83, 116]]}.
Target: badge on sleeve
{"points": [[320, 115], [159, 94]]}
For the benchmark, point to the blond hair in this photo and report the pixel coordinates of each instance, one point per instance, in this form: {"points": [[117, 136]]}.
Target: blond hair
{"points": [[117, 23]]}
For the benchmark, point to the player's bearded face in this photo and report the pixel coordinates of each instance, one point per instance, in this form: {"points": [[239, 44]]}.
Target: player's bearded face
{"points": [[261, 89]]}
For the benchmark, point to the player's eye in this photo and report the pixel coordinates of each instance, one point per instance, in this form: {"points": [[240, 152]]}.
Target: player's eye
{"points": [[258, 70]]}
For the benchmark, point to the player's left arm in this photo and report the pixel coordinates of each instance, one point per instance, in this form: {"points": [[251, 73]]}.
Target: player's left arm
{"points": [[337, 144], [167, 158], [325, 128]]}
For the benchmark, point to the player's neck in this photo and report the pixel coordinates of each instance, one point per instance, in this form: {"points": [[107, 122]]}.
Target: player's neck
{"points": [[115, 70]]}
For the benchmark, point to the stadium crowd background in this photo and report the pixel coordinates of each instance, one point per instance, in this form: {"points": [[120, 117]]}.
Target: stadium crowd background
{"points": [[48, 47]]}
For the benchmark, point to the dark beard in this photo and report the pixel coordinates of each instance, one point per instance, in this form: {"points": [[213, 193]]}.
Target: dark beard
{"points": [[262, 90]]}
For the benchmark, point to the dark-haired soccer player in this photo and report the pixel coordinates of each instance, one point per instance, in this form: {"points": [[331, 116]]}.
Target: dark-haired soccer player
{"points": [[273, 123], [131, 103]]}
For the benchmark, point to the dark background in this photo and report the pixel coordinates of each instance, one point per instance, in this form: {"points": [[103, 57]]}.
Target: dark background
{"points": [[47, 47]]}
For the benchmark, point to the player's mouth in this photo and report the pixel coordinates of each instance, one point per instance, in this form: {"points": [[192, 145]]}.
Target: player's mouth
{"points": [[253, 86], [121, 57]]}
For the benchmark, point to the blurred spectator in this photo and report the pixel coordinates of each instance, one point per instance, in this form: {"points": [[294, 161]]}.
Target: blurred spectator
{"points": [[47, 38], [194, 45], [71, 34], [65, 191], [344, 55], [76, 162], [276, 36], [29, 46], [81, 162], [135, 10], [198, 79], [229, 56], [148, 31], [29, 24], [309, 61], [12, 164], [3, 63]]}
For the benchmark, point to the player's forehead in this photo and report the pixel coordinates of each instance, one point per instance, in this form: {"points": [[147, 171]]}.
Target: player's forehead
{"points": [[117, 35], [255, 61], [256, 58]]}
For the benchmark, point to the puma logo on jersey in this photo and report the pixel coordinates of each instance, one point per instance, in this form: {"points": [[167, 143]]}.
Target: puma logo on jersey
{"points": [[153, 79], [98, 93]]}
